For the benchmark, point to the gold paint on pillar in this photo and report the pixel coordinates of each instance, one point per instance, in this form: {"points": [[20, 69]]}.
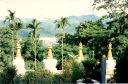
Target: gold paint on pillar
{"points": [[18, 47], [80, 55], [50, 56], [110, 51], [110, 63]]}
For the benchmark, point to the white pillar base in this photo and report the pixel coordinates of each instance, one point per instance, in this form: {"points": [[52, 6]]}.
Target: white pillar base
{"points": [[50, 64], [110, 67], [18, 62]]}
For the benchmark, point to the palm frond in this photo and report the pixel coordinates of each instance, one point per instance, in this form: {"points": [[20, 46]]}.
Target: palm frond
{"points": [[18, 20], [34, 21], [37, 24], [62, 22], [58, 25], [11, 14], [18, 25], [56, 21], [6, 19], [30, 26], [11, 26]]}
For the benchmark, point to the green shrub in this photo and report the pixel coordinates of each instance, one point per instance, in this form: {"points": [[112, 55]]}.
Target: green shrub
{"points": [[7, 75], [58, 79], [67, 71], [18, 79], [30, 65], [72, 71], [89, 67], [122, 68], [39, 76], [77, 71]]}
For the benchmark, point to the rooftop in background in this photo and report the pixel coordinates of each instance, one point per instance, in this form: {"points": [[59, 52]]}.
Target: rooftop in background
{"points": [[48, 40]]}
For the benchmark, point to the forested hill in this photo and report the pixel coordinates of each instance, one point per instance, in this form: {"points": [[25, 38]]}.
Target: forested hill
{"points": [[48, 28]]}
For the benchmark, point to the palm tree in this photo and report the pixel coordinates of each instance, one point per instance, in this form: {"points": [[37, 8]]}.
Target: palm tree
{"points": [[15, 25], [34, 26], [62, 23]]}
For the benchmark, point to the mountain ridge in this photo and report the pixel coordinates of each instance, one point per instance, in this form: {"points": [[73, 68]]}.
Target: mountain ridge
{"points": [[48, 27]]}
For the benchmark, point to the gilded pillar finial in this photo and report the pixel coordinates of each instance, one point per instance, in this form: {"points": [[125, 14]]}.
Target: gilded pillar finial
{"points": [[110, 50], [80, 55], [18, 47], [50, 56]]}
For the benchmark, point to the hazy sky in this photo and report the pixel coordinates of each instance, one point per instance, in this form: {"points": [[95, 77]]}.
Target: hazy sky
{"points": [[47, 8]]}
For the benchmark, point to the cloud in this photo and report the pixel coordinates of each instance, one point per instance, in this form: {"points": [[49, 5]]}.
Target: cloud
{"points": [[46, 8]]}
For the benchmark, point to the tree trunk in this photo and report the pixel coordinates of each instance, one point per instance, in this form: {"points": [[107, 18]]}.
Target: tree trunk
{"points": [[0, 43], [35, 48], [12, 44], [62, 50], [62, 53]]}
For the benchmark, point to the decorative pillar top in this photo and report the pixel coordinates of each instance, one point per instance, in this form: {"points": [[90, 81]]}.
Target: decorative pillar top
{"points": [[80, 55], [109, 50], [18, 47], [110, 46], [80, 46], [50, 56]]}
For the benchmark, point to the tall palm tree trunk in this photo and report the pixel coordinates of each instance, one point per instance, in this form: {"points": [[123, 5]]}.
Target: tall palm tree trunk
{"points": [[35, 50], [62, 52], [62, 23], [35, 55], [34, 25], [13, 45], [0, 43], [13, 39]]}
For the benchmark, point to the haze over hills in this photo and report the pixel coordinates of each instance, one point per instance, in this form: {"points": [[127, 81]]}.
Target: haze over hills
{"points": [[48, 27]]}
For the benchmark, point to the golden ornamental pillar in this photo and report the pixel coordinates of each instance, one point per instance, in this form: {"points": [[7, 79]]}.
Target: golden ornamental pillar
{"points": [[18, 48], [18, 62], [109, 51], [110, 63], [50, 56], [80, 55]]}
